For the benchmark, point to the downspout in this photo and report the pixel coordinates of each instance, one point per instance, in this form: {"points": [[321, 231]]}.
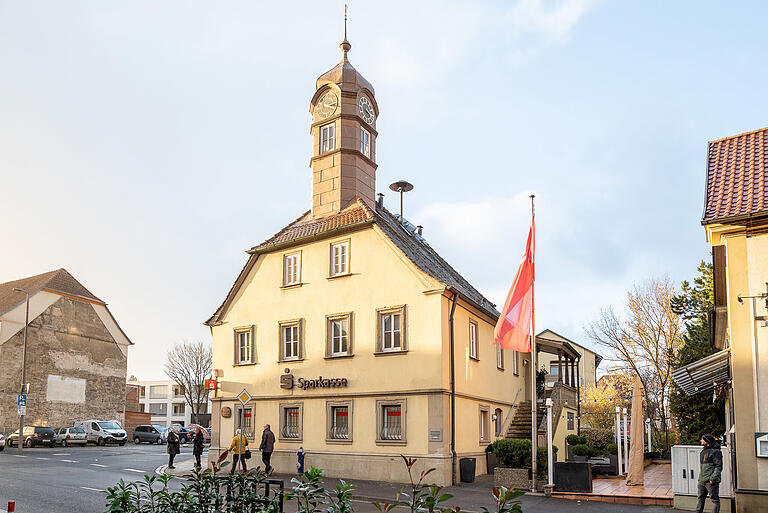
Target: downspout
{"points": [[453, 388]]}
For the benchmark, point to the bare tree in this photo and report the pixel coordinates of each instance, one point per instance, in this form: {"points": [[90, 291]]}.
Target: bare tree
{"points": [[189, 364], [645, 341]]}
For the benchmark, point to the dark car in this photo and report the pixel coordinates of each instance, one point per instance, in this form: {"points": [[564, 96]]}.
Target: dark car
{"points": [[147, 433], [185, 435], [34, 435]]}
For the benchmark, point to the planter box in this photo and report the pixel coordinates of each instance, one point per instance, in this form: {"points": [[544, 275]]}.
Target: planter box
{"points": [[573, 477], [514, 478], [569, 452], [578, 458]]}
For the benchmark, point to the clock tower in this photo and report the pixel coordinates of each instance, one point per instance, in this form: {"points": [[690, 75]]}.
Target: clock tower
{"points": [[344, 114]]}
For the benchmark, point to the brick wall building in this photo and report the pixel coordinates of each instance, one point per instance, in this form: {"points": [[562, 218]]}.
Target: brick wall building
{"points": [[76, 353]]}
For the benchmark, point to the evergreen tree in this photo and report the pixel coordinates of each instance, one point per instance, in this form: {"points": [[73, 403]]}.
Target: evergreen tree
{"points": [[696, 414]]}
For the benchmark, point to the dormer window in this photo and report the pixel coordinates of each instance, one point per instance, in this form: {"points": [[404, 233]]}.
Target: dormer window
{"points": [[365, 142], [327, 137]]}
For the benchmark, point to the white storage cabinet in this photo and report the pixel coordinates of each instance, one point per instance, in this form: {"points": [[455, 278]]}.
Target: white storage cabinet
{"points": [[685, 470]]}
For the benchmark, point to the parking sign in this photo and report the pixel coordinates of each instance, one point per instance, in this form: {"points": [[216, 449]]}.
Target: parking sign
{"points": [[22, 404]]}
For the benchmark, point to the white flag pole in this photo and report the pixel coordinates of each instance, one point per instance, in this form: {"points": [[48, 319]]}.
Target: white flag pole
{"points": [[534, 368]]}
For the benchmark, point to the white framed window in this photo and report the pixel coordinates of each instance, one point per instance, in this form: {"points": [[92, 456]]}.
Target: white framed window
{"points": [[290, 340], [485, 424], [516, 363], [391, 330], [499, 357], [340, 258], [391, 421], [291, 269], [179, 408], [339, 423], [339, 335], [473, 340], [365, 142], [327, 137], [247, 421], [243, 347], [290, 421]]}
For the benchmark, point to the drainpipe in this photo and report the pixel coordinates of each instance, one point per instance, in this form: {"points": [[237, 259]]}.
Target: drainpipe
{"points": [[453, 389]]}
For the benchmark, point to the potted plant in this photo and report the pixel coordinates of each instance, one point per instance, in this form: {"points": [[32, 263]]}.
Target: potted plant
{"points": [[514, 463], [570, 441], [491, 460], [613, 456]]}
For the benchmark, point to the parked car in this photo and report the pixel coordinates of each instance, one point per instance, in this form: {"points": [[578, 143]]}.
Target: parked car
{"points": [[103, 432], [2, 442], [147, 433], [67, 436], [206, 433], [33, 435]]}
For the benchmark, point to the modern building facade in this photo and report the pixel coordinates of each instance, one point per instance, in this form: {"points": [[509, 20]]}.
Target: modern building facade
{"points": [[76, 353], [164, 400], [736, 223], [357, 341]]}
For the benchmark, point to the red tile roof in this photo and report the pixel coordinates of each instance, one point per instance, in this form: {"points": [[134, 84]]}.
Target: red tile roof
{"points": [[737, 176], [56, 281]]}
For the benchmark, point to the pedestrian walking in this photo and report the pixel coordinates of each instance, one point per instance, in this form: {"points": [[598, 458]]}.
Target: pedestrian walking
{"points": [[266, 448], [710, 467], [197, 448], [173, 445], [238, 448]]}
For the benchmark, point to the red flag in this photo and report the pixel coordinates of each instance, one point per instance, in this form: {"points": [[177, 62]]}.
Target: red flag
{"points": [[514, 325]]}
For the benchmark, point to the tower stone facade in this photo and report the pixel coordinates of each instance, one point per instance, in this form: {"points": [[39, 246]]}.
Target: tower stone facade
{"points": [[344, 114]]}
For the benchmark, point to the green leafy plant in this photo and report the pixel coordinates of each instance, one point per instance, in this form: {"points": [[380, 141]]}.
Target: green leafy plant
{"points": [[612, 448], [504, 500], [513, 452], [542, 460], [422, 497], [575, 439], [597, 438], [585, 450]]}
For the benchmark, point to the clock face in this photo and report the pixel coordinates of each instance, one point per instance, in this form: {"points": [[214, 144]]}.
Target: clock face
{"points": [[327, 105], [366, 109]]}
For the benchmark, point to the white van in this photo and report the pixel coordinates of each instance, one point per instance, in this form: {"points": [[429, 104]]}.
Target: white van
{"points": [[103, 432]]}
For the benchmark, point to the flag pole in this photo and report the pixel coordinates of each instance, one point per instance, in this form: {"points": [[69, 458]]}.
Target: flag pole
{"points": [[534, 409]]}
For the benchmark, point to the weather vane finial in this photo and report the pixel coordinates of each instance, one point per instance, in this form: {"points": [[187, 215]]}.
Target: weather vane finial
{"points": [[345, 46]]}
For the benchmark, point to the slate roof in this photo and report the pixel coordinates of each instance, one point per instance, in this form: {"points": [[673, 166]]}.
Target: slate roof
{"points": [[737, 177], [56, 281], [355, 217]]}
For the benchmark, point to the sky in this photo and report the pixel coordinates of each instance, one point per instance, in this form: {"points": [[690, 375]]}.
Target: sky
{"points": [[144, 145]]}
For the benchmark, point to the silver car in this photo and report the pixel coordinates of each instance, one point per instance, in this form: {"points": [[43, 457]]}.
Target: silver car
{"points": [[71, 436]]}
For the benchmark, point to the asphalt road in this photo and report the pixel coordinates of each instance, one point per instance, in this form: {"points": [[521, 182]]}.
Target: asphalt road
{"points": [[71, 479]]}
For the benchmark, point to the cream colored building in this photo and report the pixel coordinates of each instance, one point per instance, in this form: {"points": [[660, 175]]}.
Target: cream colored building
{"points": [[736, 223], [583, 370], [351, 333]]}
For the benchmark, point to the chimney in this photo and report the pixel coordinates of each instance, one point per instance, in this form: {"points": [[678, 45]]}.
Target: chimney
{"points": [[380, 200], [419, 228]]}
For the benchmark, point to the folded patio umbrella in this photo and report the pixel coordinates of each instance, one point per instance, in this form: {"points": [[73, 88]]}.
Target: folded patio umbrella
{"points": [[635, 474]]}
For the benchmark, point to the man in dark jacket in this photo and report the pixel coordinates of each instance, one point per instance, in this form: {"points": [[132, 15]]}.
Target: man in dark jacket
{"points": [[174, 446], [266, 448], [197, 448], [711, 465]]}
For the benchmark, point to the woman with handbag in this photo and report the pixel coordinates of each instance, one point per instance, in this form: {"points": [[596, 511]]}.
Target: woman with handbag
{"points": [[174, 445], [197, 448], [239, 449]]}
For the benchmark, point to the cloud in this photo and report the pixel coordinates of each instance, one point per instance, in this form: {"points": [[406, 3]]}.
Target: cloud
{"points": [[547, 20]]}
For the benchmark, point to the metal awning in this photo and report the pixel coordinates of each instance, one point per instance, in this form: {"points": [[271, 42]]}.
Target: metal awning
{"points": [[704, 374]]}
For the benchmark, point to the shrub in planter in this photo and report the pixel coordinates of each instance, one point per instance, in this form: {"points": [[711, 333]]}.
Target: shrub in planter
{"points": [[575, 439], [542, 459], [612, 449], [597, 438], [585, 450], [513, 452]]}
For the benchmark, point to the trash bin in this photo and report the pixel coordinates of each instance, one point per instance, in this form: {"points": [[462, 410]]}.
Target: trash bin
{"points": [[467, 470]]}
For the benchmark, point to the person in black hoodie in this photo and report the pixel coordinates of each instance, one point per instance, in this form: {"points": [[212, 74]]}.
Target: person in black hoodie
{"points": [[197, 448], [710, 468]]}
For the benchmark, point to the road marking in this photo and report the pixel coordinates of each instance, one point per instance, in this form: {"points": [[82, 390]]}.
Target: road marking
{"points": [[62, 453], [98, 465], [19, 456], [92, 489], [39, 458], [134, 470], [69, 461]]}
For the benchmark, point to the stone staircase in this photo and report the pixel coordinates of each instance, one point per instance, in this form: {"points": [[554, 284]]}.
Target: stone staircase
{"points": [[520, 426]]}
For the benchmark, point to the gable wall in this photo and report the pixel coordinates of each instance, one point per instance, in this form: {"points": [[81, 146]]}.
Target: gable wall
{"points": [[75, 369]]}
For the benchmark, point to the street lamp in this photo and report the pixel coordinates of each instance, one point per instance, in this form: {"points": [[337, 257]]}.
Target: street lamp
{"points": [[20, 440]]}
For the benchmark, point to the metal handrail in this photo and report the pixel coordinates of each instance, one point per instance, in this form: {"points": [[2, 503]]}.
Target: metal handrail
{"points": [[508, 418]]}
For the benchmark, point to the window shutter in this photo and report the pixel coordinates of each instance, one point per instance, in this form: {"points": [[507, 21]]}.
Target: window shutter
{"points": [[253, 343], [301, 339], [403, 332], [350, 333]]}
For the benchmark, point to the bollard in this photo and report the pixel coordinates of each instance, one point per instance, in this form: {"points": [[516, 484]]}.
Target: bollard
{"points": [[11, 506]]}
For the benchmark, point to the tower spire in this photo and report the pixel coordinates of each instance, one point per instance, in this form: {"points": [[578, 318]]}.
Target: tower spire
{"points": [[345, 46]]}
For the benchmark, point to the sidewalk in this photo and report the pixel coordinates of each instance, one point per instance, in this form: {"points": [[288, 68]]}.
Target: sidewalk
{"points": [[470, 497]]}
